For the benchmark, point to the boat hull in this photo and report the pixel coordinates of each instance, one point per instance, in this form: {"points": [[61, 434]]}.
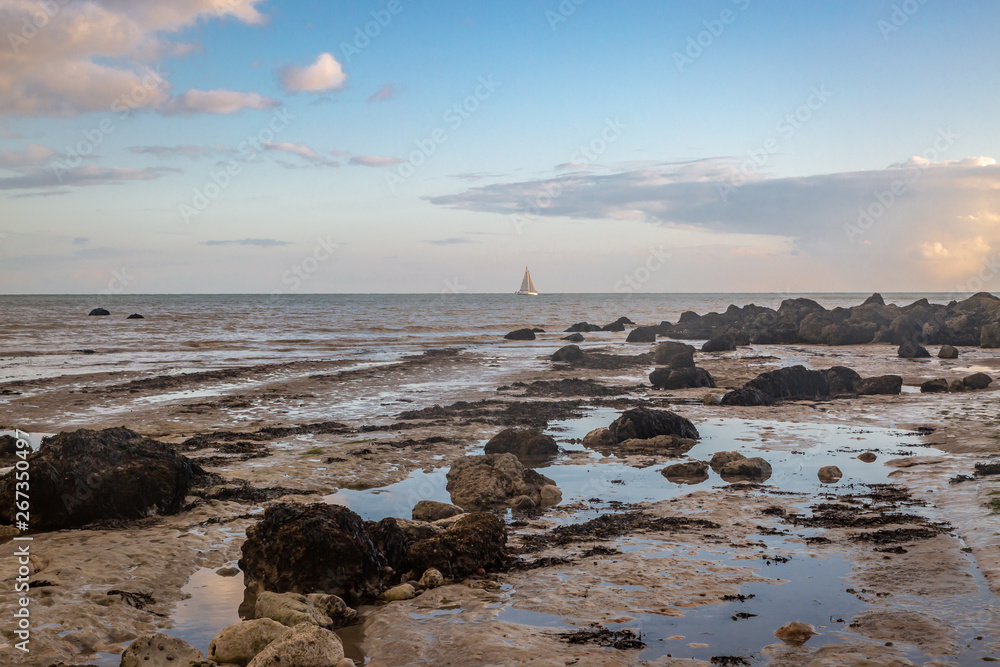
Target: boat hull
{"points": [[524, 293]]}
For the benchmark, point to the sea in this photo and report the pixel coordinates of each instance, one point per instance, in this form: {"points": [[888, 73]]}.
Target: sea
{"points": [[51, 335]]}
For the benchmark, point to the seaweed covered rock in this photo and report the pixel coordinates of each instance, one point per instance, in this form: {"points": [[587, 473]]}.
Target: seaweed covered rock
{"points": [[881, 384], [492, 480], [568, 353], [642, 335], [524, 443], [477, 540], [432, 510], [309, 548], [726, 343], [521, 334], [681, 378], [78, 477], [747, 397], [643, 423], [583, 327], [792, 382], [674, 355], [841, 380]]}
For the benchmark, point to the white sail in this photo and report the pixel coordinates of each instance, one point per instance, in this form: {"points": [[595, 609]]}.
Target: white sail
{"points": [[527, 284]]}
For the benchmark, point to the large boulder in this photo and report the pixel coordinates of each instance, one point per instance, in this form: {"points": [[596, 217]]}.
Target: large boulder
{"points": [[720, 459], [747, 397], [524, 443], [238, 643], [940, 385], [568, 353], [792, 382], [309, 548], [477, 540], [574, 338], [752, 469], [160, 650], [881, 384], [643, 423], [725, 343], [306, 645], [989, 335], [290, 609], [432, 510], [99, 312], [642, 335], [674, 355], [493, 480], [977, 381], [521, 334], [681, 378], [841, 379], [689, 472], [599, 438], [79, 477], [912, 350], [948, 352], [583, 327]]}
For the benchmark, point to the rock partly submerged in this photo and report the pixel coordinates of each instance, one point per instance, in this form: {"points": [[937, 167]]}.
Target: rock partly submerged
{"points": [[523, 442], [493, 480]]}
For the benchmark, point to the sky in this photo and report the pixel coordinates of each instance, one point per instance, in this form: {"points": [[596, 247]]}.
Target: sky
{"points": [[260, 146]]}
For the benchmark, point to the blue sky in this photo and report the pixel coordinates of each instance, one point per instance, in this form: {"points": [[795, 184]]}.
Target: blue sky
{"points": [[801, 146]]}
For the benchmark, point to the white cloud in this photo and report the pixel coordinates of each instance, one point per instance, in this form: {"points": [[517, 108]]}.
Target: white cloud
{"points": [[80, 176], [323, 75], [215, 101], [375, 160], [32, 154], [295, 149]]}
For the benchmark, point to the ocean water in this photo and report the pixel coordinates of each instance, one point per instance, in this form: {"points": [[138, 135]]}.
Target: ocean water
{"points": [[43, 336]]}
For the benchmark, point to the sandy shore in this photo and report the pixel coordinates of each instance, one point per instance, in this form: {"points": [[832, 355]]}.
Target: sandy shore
{"points": [[910, 603]]}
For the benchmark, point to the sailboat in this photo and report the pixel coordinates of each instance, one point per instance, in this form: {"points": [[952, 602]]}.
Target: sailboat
{"points": [[527, 285]]}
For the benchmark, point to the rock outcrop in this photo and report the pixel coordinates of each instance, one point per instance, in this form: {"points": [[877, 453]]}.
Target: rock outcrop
{"points": [[643, 423]]}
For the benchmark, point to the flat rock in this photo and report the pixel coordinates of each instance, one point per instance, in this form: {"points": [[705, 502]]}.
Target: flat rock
{"points": [[160, 650]]}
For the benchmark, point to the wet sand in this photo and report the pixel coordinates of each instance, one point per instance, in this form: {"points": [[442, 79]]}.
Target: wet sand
{"points": [[368, 439]]}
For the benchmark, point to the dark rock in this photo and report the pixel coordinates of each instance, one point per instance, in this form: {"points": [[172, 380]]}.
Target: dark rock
{"points": [[977, 381], [875, 298], [674, 355], [681, 378], [934, 386], [135, 316], [689, 472], [493, 480], [947, 352], [8, 450], [583, 327], [537, 330], [521, 334], [841, 379], [614, 326], [83, 476], [956, 386], [793, 382], [309, 548], [99, 312], [523, 443], [882, 384], [642, 335], [747, 397], [721, 459], [432, 510], [643, 423], [989, 335], [568, 353], [752, 469], [912, 350], [574, 338], [476, 541], [720, 344]]}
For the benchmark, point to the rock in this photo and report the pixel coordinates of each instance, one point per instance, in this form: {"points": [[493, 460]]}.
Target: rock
{"points": [[642, 335], [643, 423], [989, 335], [319, 547], [346, 662], [568, 353], [681, 378], [841, 379], [934, 386], [477, 540], [135, 316], [977, 381], [524, 443], [881, 384], [795, 633], [712, 399], [792, 382], [829, 474], [661, 445], [290, 609], [875, 298], [599, 438], [574, 338], [524, 503], [867, 457], [79, 477], [400, 592], [480, 482], [432, 510], [583, 327], [305, 646], [689, 472], [752, 469], [98, 312], [620, 322], [719, 344], [431, 578], [227, 571], [538, 329], [948, 352], [240, 642], [160, 650], [720, 459], [521, 334], [912, 350], [551, 495], [956, 386], [674, 355], [747, 397]]}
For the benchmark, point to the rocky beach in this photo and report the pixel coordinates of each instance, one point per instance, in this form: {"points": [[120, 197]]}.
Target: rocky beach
{"points": [[794, 484]]}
